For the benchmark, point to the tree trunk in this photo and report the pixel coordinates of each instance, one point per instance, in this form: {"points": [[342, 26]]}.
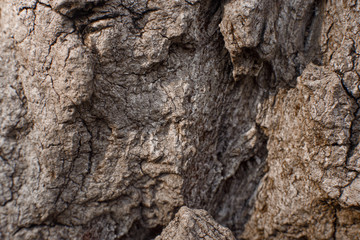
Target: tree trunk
{"points": [[121, 119]]}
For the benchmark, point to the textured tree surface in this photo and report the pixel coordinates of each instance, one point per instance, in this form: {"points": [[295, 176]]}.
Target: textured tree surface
{"points": [[120, 119], [194, 224]]}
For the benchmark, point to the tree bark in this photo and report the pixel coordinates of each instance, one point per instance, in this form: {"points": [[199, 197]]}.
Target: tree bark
{"points": [[120, 119]]}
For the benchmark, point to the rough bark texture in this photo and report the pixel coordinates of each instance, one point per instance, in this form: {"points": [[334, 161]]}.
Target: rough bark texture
{"points": [[116, 113], [194, 224]]}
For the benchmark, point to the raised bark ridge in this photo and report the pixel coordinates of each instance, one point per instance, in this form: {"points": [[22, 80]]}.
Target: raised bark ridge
{"points": [[115, 113]]}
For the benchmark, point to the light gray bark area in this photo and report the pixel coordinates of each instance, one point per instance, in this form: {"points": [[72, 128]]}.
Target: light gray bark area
{"points": [[194, 224], [116, 114]]}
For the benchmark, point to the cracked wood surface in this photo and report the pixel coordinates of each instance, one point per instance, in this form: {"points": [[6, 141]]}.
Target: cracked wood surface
{"points": [[115, 114]]}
